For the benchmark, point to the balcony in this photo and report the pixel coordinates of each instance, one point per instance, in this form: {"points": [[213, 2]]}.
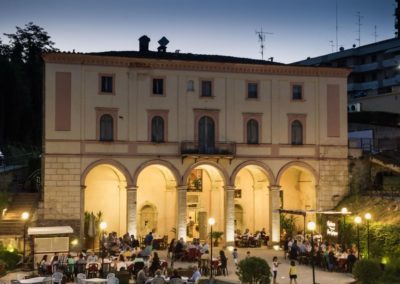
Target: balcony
{"points": [[219, 150]]}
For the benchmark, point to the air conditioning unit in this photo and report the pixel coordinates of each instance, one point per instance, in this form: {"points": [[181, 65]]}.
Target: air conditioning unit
{"points": [[355, 107]]}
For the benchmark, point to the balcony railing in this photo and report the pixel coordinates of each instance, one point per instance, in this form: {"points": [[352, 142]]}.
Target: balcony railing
{"points": [[219, 149]]}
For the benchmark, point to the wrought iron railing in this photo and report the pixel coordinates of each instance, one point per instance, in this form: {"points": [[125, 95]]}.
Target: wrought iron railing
{"points": [[219, 148]]}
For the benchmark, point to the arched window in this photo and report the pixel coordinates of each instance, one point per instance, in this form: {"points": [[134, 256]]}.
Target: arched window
{"points": [[297, 133], [252, 131], [206, 135], [157, 129], [106, 128]]}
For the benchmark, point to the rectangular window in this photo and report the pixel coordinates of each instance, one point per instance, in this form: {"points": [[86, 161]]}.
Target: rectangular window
{"points": [[106, 84], [252, 90], [297, 92], [158, 86], [206, 88]]}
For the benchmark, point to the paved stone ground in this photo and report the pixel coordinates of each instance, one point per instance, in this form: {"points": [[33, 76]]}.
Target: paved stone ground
{"points": [[304, 272]]}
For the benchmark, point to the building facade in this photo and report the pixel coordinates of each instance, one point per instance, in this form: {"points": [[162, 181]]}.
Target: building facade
{"points": [[373, 84], [163, 141]]}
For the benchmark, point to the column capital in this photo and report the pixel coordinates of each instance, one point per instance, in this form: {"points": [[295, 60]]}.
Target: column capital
{"points": [[275, 187], [181, 187], [131, 188], [230, 187]]}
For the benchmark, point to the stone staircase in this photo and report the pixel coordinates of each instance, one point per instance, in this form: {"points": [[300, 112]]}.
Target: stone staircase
{"points": [[11, 223]]}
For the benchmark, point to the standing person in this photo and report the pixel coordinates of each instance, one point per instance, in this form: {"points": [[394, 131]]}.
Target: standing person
{"points": [[235, 256], [275, 265], [293, 272], [141, 277], [248, 254]]}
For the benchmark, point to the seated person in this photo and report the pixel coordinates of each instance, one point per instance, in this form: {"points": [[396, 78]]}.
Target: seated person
{"points": [[196, 275], [123, 276], [155, 264], [158, 279], [43, 265], [92, 257], [121, 263], [141, 277], [175, 274]]}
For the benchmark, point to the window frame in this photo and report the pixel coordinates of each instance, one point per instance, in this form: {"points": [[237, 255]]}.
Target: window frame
{"points": [[246, 118], [113, 112], [163, 87], [154, 135], [302, 118], [100, 78], [248, 83], [211, 88], [150, 115], [257, 132], [293, 85]]}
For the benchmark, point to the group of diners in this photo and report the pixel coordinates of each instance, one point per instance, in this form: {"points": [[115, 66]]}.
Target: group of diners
{"points": [[194, 251], [327, 255], [248, 239]]}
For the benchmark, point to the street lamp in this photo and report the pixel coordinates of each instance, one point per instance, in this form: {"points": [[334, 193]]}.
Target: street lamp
{"points": [[103, 226], [357, 220], [311, 227], [24, 217], [368, 218], [344, 212], [211, 222]]}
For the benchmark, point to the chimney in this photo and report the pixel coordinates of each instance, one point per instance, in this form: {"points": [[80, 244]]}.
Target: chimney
{"points": [[144, 43], [163, 44]]}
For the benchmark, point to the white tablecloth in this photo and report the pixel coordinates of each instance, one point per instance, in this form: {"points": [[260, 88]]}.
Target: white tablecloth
{"points": [[94, 280], [32, 280]]}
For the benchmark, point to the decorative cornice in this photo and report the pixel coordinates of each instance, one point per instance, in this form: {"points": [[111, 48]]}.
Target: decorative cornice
{"points": [[186, 65]]}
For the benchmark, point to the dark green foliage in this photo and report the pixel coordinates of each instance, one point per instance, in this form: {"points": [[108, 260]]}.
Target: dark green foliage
{"points": [[391, 272], [288, 223], [254, 270], [2, 267], [367, 271], [10, 258], [21, 82]]}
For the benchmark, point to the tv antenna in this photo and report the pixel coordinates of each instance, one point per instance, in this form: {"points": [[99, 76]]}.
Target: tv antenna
{"points": [[331, 44], [261, 39], [359, 17], [375, 32]]}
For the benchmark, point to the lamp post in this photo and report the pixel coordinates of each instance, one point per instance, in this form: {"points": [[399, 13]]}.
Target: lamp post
{"points": [[344, 212], [24, 217], [311, 227], [211, 222], [368, 218], [357, 220], [103, 226]]}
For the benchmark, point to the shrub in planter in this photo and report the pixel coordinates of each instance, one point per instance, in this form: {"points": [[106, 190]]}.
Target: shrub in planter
{"points": [[11, 259], [367, 271], [391, 273], [2, 267], [254, 270]]}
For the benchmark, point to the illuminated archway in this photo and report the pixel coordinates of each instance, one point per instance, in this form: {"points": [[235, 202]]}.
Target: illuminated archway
{"points": [[105, 191], [298, 183], [205, 198], [252, 180], [156, 199]]}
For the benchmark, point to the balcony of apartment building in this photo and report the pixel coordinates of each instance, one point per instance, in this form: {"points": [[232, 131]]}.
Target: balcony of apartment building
{"points": [[391, 62], [199, 149], [362, 86], [366, 67], [395, 80]]}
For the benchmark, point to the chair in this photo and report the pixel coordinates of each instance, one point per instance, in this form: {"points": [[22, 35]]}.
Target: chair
{"points": [[81, 268], [105, 269], [175, 281], [47, 280], [110, 275], [57, 277], [204, 266], [93, 269], [79, 278], [70, 272]]}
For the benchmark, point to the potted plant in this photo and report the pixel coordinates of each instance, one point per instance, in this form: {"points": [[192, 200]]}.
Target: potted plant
{"points": [[216, 236]]}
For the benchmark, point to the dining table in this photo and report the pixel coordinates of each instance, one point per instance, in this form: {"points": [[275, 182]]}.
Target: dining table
{"points": [[32, 280], [94, 280]]}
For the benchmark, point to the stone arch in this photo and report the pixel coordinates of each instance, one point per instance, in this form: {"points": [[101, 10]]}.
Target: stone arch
{"points": [[220, 169], [302, 165], [264, 167], [120, 167], [175, 173]]}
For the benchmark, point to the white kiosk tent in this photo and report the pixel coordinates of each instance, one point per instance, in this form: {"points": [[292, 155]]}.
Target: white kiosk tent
{"points": [[49, 240]]}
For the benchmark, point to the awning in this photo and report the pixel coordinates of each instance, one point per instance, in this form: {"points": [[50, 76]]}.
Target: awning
{"points": [[57, 230]]}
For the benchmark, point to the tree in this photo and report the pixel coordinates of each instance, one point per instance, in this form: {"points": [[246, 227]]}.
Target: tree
{"points": [[21, 82], [254, 270]]}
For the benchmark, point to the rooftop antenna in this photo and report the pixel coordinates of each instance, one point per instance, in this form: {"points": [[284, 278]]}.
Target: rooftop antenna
{"points": [[261, 39], [359, 17], [375, 33], [332, 44], [337, 29]]}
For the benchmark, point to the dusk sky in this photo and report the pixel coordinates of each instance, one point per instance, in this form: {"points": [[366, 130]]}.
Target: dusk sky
{"points": [[300, 28]]}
